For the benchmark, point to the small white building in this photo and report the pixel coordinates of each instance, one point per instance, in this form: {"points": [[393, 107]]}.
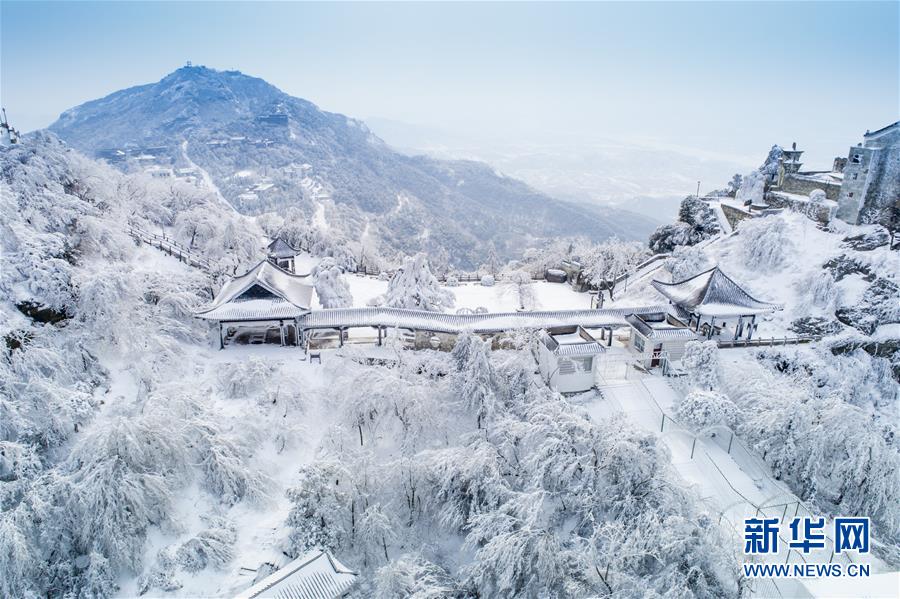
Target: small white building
{"points": [[313, 575], [657, 338], [568, 359]]}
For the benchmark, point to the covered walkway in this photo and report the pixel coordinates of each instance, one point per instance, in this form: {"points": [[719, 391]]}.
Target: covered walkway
{"points": [[381, 319]]}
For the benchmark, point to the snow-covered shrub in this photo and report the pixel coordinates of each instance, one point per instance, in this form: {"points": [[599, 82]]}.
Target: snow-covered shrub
{"points": [[701, 361], [696, 222], [764, 242], [414, 287], [331, 287], [817, 196], [161, 575], [685, 262], [819, 289], [701, 410], [414, 577], [211, 548], [487, 281], [245, 378]]}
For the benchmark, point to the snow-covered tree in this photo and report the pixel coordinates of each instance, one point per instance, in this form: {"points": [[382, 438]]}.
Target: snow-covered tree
{"points": [[735, 184], [764, 242], [696, 222], [522, 286], [322, 509], [331, 287], [608, 261], [478, 384], [701, 360], [414, 287], [685, 262], [753, 188], [701, 410]]}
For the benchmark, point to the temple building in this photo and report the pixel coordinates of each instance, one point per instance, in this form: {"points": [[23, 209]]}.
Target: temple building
{"points": [[286, 257], [314, 575], [261, 306], [710, 300]]}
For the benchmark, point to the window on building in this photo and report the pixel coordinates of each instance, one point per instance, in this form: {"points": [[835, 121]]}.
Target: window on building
{"points": [[855, 175], [850, 194], [584, 364], [857, 158], [639, 343]]}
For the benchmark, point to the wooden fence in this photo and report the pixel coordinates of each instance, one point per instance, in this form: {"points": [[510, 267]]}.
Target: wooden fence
{"points": [[171, 247]]}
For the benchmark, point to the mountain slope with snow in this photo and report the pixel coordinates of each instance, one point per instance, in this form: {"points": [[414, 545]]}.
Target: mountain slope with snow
{"points": [[237, 126]]}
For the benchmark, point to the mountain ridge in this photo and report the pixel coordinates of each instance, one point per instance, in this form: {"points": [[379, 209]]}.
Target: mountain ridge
{"points": [[293, 154]]}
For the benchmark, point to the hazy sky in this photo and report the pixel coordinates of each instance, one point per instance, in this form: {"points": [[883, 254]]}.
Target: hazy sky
{"points": [[732, 78]]}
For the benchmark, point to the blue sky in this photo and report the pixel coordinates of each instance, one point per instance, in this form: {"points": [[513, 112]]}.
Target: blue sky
{"points": [[732, 78]]}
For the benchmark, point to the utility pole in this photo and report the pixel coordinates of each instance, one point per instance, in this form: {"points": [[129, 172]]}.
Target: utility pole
{"points": [[698, 190]]}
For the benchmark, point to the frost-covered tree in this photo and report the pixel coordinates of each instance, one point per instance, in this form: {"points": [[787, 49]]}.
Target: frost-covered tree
{"points": [[331, 287], [753, 188], [701, 410], [735, 184], [322, 509], [478, 384], [696, 222], [522, 287], [764, 242], [414, 287], [608, 261], [701, 360], [818, 289], [685, 262]]}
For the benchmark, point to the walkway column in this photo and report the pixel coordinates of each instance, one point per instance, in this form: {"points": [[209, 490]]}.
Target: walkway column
{"points": [[281, 331], [379, 335], [752, 326], [712, 326], [341, 337], [221, 337], [609, 340], [739, 328]]}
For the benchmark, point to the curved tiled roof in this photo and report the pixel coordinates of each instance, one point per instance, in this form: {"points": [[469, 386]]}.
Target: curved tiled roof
{"points": [[713, 293], [292, 289], [314, 575], [280, 248]]}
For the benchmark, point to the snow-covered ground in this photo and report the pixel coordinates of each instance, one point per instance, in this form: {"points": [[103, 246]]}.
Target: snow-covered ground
{"points": [[499, 298]]}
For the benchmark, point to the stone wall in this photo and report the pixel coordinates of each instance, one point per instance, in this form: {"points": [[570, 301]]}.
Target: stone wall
{"points": [[734, 215], [884, 187], [799, 184]]}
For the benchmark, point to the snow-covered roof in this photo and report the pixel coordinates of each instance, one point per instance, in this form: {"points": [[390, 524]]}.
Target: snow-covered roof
{"points": [[660, 326], [314, 575], [293, 296], [713, 293], [280, 248], [495, 322], [572, 341]]}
